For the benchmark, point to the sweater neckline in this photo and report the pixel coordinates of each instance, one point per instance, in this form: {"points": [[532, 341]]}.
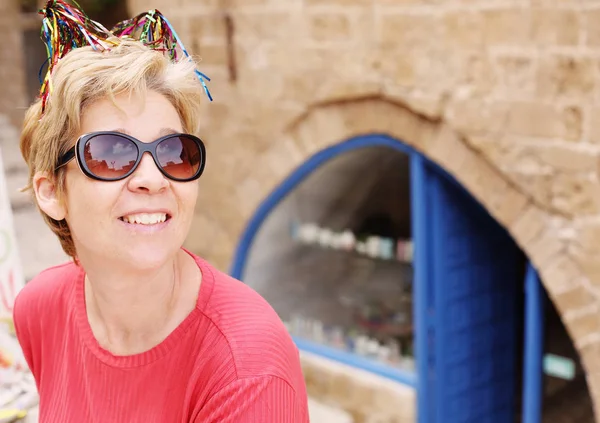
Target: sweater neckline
{"points": [[156, 352]]}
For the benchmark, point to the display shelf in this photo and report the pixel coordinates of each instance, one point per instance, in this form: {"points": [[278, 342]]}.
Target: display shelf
{"points": [[404, 377], [354, 254], [368, 245]]}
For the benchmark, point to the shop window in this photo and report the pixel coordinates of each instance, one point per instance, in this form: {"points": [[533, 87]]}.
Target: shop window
{"points": [[566, 398], [334, 257]]}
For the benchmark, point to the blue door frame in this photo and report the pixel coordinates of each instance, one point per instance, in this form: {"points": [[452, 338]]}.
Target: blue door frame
{"points": [[432, 397]]}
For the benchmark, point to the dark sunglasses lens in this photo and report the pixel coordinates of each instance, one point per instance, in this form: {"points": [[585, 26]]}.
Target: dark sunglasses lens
{"points": [[179, 156], [109, 156]]}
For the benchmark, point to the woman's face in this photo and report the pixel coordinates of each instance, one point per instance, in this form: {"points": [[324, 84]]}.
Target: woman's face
{"points": [[124, 221]]}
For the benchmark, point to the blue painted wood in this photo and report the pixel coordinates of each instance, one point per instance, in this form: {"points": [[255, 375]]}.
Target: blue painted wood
{"points": [[472, 359], [465, 286], [534, 347], [422, 291]]}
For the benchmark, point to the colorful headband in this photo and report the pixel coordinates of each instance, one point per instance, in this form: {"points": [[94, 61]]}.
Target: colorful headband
{"points": [[65, 27]]}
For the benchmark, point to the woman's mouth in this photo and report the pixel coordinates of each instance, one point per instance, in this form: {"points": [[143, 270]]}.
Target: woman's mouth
{"points": [[146, 218]]}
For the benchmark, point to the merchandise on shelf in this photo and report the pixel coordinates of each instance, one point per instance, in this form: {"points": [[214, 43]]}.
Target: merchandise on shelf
{"points": [[372, 246], [389, 352]]}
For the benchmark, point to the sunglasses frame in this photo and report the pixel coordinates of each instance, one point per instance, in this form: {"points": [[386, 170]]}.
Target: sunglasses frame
{"points": [[77, 152]]}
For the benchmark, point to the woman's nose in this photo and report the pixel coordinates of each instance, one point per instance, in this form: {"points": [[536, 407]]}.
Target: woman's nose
{"points": [[147, 177]]}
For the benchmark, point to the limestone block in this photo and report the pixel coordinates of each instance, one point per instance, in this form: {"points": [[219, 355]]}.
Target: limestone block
{"points": [[477, 75], [383, 117], [401, 71], [207, 27], [259, 26], [447, 149], [589, 354], [342, 3], [593, 125], [507, 206], [567, 76], [566, 158], [589, 265], [408, 31], [528, 226], [366, 397], [329, 26], [413, 3], [322, 413], [587, 236], [539, 157], [574, 299], [211, 54], [537, 119], [562, 275], [508, 26], [583, 324], [591, 30], [544, 250], [211, 242], [477, 116], [463, 29], [515, 75], [430, 105], [575, 193], [283, 157], [324, 127], [556, 27]]}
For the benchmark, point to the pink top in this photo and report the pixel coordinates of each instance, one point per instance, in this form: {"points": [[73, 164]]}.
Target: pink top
{"points": [[231, 360]]}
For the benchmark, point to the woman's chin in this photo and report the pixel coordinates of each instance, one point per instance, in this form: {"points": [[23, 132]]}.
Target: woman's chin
{"points": [[148, 257]]}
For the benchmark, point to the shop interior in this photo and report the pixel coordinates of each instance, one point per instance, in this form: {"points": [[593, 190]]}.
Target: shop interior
{"points": [[334, 259]]}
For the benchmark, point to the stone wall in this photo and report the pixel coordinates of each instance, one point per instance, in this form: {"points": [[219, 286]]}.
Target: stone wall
{"points": [[12, 77], [365, 397], [505, 94]]}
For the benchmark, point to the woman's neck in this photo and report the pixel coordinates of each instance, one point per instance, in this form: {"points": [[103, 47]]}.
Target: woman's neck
{"points": [[131, 312]]}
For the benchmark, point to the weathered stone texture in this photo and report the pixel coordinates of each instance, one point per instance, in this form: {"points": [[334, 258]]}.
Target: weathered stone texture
{"points": [[12, 78], [366, 397], [504, 94]]}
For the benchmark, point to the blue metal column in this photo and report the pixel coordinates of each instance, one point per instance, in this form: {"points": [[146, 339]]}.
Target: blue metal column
{"points": [[534, 347]]}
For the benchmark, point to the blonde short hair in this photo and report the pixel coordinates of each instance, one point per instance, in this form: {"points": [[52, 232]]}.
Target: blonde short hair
{"points": [[85, 75]]}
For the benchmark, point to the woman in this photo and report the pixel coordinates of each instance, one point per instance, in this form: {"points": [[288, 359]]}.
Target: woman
{"points": [[137, 329]]}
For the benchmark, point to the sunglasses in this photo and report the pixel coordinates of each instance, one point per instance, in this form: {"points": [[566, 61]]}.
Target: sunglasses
{"points": [[112, 156]]}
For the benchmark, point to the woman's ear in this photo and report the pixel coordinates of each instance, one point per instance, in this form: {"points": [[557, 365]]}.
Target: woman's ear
{"points": [[47, 196]]}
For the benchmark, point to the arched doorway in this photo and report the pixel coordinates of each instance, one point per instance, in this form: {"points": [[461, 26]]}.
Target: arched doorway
{"points": [[478, 308]]}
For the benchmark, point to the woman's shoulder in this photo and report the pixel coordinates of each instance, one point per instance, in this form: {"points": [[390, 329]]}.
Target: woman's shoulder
{"points": [[257, 338], [47, 287], [235, 303]]}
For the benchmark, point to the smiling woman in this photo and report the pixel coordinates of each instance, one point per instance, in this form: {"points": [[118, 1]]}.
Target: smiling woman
{"points": [[136, 328]]}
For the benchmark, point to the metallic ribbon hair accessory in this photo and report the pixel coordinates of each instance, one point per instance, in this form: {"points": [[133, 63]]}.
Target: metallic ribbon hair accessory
{"points": [[66, 27]]}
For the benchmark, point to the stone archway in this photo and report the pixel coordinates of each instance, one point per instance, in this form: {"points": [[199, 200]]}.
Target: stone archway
{"points": [[533, 227]]}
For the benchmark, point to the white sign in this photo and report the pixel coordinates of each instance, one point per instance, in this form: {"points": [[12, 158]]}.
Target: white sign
{"points": [[11, 273], [560, 367]]}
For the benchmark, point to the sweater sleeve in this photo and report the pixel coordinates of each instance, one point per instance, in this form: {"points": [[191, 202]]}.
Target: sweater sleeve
{"points": [[261, 399], [22, 332]]}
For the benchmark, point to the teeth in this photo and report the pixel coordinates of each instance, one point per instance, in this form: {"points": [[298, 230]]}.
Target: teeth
{"points": [[146, 218]]}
